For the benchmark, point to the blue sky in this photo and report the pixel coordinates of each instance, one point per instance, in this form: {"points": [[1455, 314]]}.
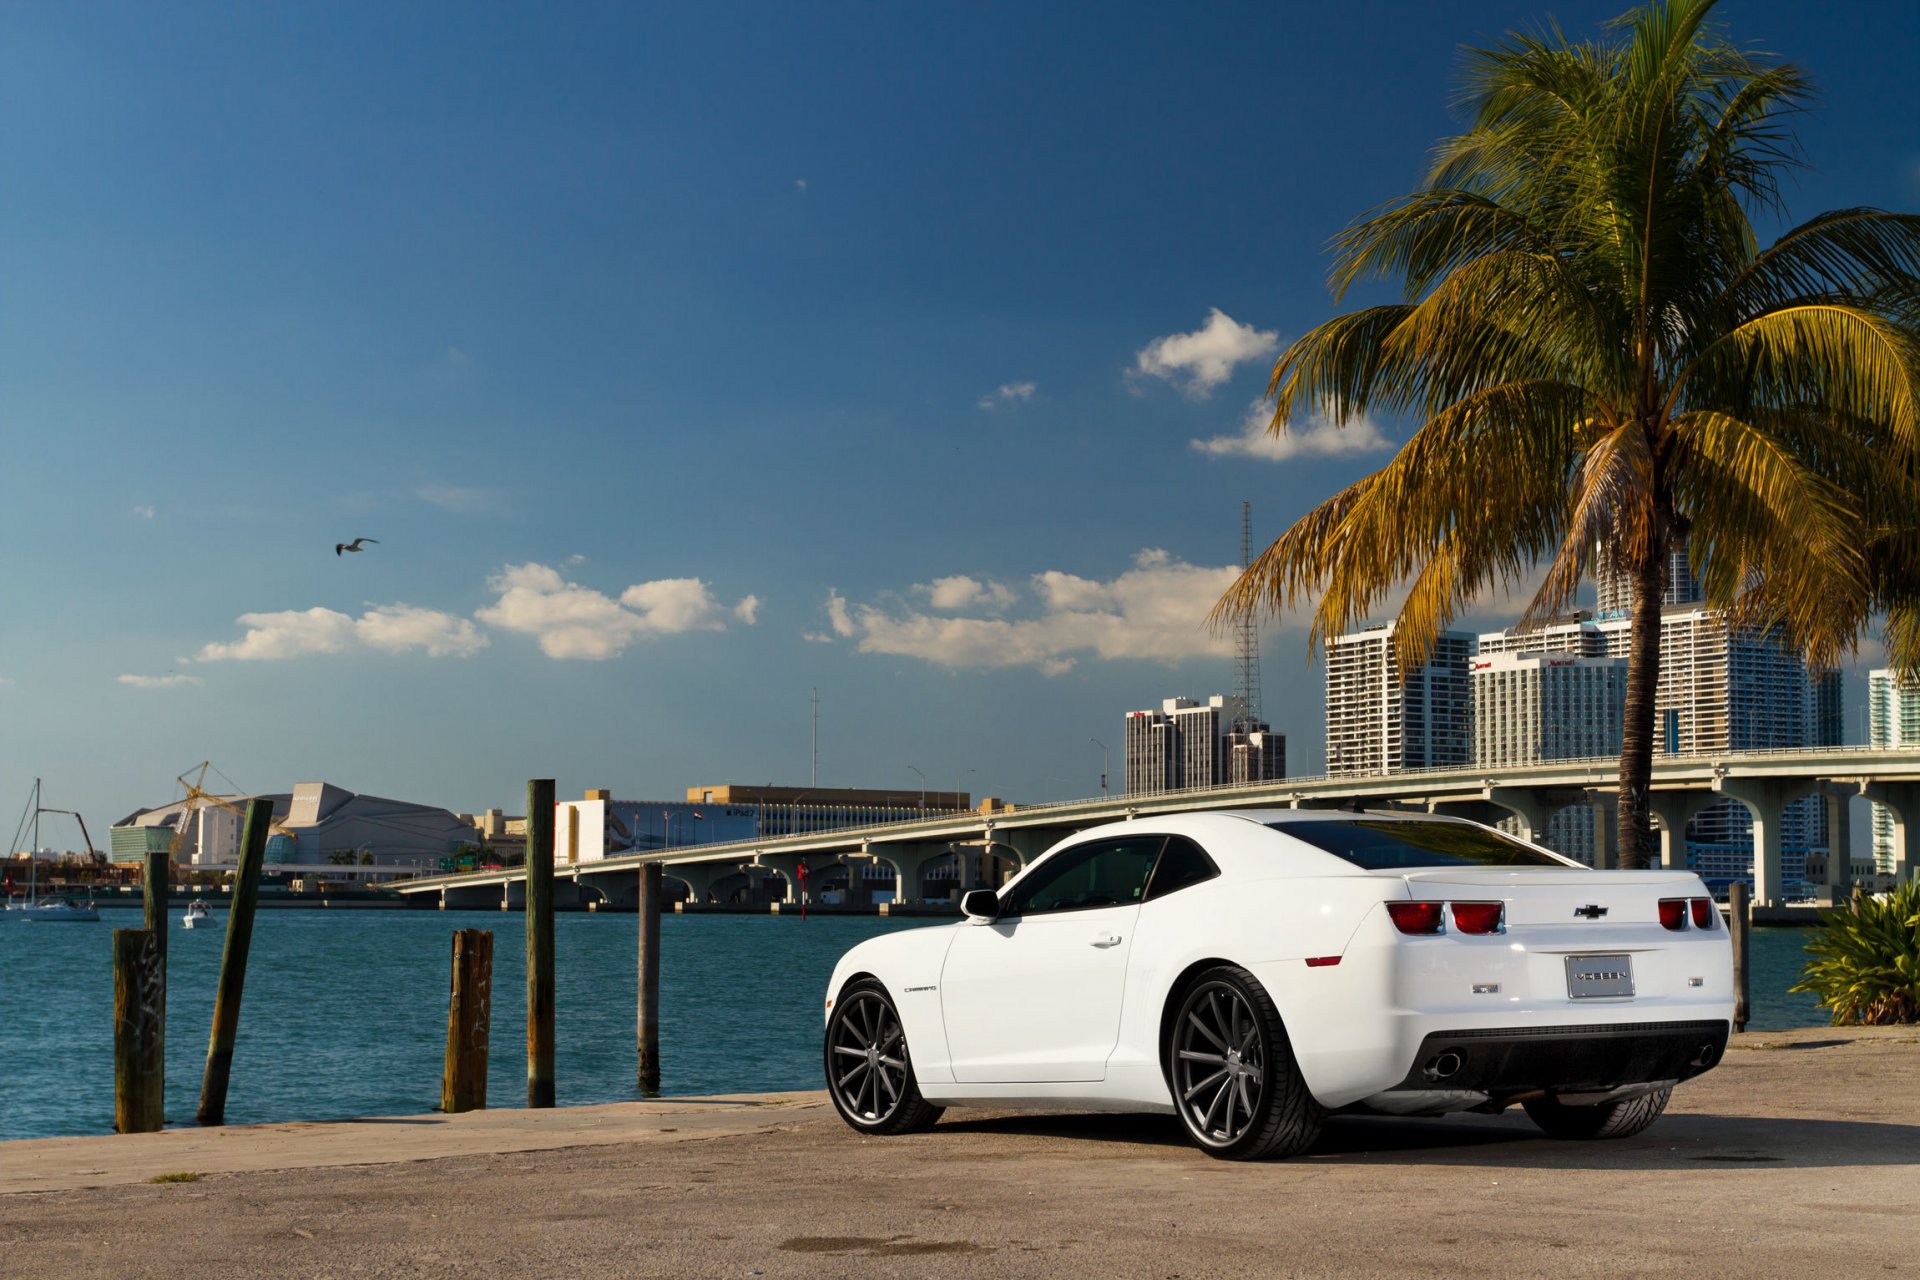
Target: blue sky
{"points": [[684, 360]]}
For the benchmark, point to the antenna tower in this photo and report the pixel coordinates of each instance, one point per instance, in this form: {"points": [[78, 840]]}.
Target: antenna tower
{"points": [[1247, 636]]}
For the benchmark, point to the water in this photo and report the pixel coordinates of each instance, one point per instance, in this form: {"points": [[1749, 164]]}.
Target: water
{"points": [[345, 1011]]}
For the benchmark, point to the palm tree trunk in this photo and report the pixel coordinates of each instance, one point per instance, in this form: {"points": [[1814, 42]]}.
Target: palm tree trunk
{"points": [[1634, 830]]}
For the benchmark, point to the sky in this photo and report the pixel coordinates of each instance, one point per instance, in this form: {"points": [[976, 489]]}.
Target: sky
{"points": [[686, 360]]}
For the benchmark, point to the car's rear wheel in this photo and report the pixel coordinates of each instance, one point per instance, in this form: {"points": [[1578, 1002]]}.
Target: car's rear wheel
{"points": [[1231, 1067], [869, 1073], [1620, 1119]]}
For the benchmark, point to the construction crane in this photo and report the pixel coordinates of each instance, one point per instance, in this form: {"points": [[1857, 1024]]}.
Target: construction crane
{"points": [[92, 852], [198, 797]]}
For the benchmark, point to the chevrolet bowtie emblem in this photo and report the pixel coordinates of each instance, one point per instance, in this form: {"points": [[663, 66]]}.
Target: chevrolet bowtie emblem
{"points": [[1592, 911]]}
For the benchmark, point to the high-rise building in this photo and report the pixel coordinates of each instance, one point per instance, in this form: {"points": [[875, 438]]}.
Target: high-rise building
{"points": [[1533, 707], [1613, 589], [1188, 744], [1381, 722], [1893, 720], [1549, 706], [1721, 688]]}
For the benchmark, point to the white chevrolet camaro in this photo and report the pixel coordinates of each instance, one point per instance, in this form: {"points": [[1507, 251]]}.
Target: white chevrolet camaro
{"points": [[1253, 971]]}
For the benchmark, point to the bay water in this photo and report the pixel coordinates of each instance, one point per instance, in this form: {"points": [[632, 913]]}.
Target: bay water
{"points": [[345, 1012]]}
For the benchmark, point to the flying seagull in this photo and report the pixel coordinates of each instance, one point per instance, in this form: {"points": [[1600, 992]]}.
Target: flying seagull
{"points": [[338, 547]]}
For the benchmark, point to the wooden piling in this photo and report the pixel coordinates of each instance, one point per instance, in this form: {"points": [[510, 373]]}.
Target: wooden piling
{"points": [[1740, 920], [649, 1022], [539, 919], [463, 1084], [233, 964], [156, 882], [139, 1033]]}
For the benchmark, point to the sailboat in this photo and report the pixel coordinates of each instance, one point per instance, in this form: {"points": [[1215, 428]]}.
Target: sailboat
{"points": [[63, 909]]}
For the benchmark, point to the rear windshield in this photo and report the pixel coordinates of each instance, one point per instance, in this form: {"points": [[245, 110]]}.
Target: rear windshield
{"points": [[1390, 845]]}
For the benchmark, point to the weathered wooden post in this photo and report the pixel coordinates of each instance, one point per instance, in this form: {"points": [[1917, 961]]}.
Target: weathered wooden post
{"points": [[233, 963], [463, 1084], [156, 882], [1740, 920], [139, 1033], [649, 1026], [539, 915]]}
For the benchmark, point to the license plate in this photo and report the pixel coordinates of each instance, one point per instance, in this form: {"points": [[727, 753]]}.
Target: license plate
{"points": [[1590, 976]]}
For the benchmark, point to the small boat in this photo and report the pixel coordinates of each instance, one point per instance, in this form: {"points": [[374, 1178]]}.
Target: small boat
{"points": [[198, 915], [61, 910]]}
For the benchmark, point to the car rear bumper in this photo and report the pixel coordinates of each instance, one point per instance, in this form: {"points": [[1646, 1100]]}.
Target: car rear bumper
{"points": [[1509, 1061]]}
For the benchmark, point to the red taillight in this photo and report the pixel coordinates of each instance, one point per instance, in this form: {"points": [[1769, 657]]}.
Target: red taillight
{"points": [[1415, 917], [1322, 962], [1703, 912], [1478, 917], [1673, 913]]}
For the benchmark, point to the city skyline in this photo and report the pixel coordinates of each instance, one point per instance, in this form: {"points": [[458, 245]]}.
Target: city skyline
{"points": [[682, 364]]}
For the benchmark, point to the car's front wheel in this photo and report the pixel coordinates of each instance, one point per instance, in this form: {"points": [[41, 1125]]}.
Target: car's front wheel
{"points": [[1235, 1083], [1620, 1119], [869, 1074]]}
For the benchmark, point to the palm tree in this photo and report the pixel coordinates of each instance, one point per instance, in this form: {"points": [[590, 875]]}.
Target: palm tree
{"points": [[1604, 361]]}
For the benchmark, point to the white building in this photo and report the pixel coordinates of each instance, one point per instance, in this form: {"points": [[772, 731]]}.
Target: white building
{"points": [[1720, 689], [1549, 706], [1188, 744], [1380, 722], [1893, 720]]}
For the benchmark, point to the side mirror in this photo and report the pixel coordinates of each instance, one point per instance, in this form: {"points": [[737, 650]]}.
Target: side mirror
{"points": [[980, 904]]}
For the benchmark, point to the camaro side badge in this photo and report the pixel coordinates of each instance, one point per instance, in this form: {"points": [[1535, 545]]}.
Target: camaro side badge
{"points": [[1592, 911]]}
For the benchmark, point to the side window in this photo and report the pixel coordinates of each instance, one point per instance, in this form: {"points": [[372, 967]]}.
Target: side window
{"points": [[1181, 863], [1107, 873]]}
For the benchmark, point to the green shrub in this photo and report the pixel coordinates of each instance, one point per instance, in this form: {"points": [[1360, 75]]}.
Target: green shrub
{"points": [[1866, 960]]}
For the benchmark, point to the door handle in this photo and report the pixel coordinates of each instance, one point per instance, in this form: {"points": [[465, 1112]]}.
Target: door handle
{"points": [[1107, 940]]}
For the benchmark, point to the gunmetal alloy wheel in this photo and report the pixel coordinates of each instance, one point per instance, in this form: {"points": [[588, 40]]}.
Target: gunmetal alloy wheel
{"points": [[869, 1072], [1232, 1072]]}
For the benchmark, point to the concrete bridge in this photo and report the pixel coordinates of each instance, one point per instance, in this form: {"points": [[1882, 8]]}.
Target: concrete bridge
{"points": [[984, 848]]}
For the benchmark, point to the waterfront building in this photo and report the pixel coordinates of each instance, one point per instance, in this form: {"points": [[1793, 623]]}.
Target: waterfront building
{"points": [[1550, 706], [317, 827], [1379, 721], [1893, 720], [1187, 745], [788, 811], [1721, 688]]}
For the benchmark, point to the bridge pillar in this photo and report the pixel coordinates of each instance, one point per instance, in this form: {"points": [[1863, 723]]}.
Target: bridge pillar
{"points": [[1605, 804], [477, 897], [1902, 800], [910, 864], [787, 865], [1766, 799], [699, 877], [611, 891], [1534, 806], [1675, 809], [1839, 877]]}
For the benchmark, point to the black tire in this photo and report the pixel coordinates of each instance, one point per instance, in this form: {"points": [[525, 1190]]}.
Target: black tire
{"points": [[869, 1073], [1620, 1119], [1230, 1066]]}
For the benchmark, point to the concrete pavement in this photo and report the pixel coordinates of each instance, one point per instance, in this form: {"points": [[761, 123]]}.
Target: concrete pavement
{"points": [[1800, 1156]]}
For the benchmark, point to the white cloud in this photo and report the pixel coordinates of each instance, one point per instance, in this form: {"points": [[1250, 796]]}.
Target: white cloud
{"points": [[169, 681], [1155, 611], [576, 559], [572, 621], [460, 499], [800, 185], [144, 511], [387, 628], [837, 615], [1316, 438], [1009, 393], [960, 591], [1200, 361]]}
